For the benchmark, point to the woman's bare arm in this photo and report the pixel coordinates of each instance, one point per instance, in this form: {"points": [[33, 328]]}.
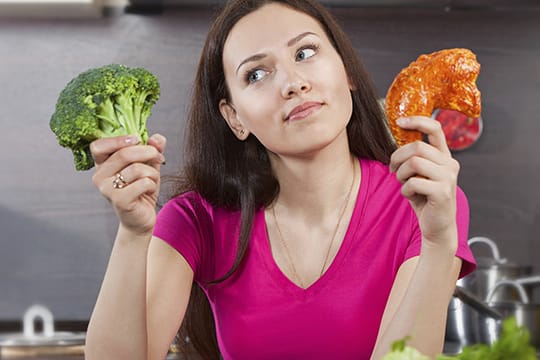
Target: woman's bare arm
{"points": [[147, 284], [169, 281], [141, 303], [419, 300], [418, 304], [117, 328]]}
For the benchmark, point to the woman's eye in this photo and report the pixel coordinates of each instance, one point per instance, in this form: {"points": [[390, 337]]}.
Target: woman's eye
{"points": [[255, 75], [305, 53]]}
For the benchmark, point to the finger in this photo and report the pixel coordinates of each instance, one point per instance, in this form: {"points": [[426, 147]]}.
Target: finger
{"points": [[137, 171], [417, 148], [124, 157], [432, 190], [431, 127], [125, 198], [158, 141], [102, 148], [419, 166], [128, 176]]}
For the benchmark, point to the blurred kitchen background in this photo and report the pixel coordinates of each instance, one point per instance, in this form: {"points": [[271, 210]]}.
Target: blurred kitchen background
{"points": [[56, 231]]}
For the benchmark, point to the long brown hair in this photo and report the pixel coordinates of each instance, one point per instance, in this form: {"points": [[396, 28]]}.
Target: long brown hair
{"points": [[237, 174]]}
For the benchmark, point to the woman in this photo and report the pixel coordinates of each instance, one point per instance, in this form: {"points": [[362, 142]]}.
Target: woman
{"points": [[311, 236]]}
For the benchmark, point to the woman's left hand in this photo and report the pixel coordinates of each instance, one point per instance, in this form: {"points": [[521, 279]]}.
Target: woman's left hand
{"points": [[429, 175]]}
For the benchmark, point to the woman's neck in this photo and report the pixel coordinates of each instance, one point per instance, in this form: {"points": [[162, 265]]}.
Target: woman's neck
{"points": [[314, 186]]}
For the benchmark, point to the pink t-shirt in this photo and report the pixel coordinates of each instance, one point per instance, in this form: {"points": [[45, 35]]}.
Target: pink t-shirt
{"points": [[261, 314]]}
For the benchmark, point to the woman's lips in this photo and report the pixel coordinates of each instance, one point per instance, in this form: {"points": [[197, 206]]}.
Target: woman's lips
{"points": [[303, 110]]}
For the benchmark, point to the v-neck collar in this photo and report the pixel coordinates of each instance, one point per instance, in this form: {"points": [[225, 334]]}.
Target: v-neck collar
{"points": [[279, 276]]}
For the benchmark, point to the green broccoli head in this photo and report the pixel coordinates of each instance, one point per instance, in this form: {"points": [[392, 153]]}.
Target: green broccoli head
{"points": [[108, 101]]}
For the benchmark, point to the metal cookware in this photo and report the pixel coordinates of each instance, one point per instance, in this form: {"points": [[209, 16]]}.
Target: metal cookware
{"points": [[463, 321], [491, 270], [30, 339], [526, 314], [476, 303]]}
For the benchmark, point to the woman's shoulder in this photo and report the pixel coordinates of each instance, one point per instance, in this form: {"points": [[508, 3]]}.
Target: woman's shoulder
{"points": [[375, 165], [190, 197], [194, 203]]}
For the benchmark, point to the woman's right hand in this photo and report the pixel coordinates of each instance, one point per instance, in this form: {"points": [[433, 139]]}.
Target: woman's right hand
{"points": [[139, 165]]}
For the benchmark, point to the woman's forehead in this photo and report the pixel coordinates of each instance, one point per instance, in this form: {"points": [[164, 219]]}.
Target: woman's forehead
{"points": [[272, 25]]}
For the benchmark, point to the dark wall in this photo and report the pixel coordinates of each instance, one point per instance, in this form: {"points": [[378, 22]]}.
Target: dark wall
{"points": [[500, 172], [57, 231]]}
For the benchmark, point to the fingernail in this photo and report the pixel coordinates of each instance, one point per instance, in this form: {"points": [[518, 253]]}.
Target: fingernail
{"points": [[156, 137], [162, 159], [132, 140], [403, 121]]}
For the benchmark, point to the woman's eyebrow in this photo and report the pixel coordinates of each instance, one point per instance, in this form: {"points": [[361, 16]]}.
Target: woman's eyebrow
{"points": [[297, 38], [290, 43], [255, 57]]}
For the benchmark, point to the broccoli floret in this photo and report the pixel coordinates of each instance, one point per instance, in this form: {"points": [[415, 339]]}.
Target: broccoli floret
{"points": [[101, 102]]}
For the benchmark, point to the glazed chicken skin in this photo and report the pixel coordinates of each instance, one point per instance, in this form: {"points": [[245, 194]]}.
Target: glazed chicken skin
{"points": [[445, 79]]}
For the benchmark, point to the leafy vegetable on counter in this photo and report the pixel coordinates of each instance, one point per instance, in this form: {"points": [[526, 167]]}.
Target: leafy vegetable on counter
{"points": [[111, 100], [513, 344], [400, 351]]}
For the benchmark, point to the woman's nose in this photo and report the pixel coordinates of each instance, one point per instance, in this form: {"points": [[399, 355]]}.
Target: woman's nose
{"points": [[295, 84]]}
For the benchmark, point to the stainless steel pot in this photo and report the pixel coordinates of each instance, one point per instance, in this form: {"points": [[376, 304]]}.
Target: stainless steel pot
{"points": [[463, 321], [525, 313], [491, 270], [47, 342]]}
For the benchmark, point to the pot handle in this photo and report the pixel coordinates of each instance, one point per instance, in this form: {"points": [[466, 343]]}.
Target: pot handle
{"points": [[38, 312], [491, 244], [477, 304], [529, 280], [521, 291]]}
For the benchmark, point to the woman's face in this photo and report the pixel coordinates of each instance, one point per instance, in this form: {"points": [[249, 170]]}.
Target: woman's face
{"points": [[288, 84]]}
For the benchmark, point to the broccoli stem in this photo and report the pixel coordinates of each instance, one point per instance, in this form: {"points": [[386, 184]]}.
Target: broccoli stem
{"points": [[126, 116], [107, 114], [143, 112]]}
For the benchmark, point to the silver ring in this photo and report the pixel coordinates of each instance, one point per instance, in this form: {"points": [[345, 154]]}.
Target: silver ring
{"points": [[119, 182]]}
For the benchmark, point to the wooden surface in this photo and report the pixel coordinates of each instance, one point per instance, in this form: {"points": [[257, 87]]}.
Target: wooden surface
{"points": [[55, 354], [56, 230], [69, 352]]}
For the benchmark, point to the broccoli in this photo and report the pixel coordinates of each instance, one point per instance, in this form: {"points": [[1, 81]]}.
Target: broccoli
{"points": [[111, 100]]}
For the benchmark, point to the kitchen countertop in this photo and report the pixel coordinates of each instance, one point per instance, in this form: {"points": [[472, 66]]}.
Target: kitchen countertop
{"points": [[6, 353], [7, 356], [57, 353], [77, 352]]}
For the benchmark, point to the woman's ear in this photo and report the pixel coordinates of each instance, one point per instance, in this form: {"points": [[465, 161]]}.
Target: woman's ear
{"points": [[352, 87], [231, 117]]}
